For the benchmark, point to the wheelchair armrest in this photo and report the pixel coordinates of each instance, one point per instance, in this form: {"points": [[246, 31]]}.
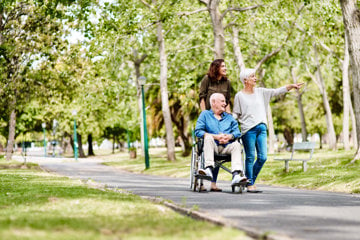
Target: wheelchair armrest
{"points": [[200, 145], [238, 139]]}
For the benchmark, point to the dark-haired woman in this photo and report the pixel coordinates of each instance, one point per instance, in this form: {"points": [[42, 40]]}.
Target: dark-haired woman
{"points": [[215, 81]]}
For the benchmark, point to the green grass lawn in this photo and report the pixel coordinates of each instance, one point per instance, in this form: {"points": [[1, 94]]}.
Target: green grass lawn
{"points": [[39, 205], [328, 170]]}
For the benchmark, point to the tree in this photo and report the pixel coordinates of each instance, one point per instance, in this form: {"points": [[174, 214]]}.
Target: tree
{"points": [[319, 80], [346, 95], [120, 33], [155, 9], [344, 65], [323, 68], [351, 18], [25, 33], [299, 95], [217, 18]]}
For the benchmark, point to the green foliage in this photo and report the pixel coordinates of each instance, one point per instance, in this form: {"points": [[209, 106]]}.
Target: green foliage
{"points": [[51, 76], [32, 40]]}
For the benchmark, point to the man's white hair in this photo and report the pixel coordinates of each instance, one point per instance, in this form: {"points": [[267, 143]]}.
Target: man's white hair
{"points": [[215, 96], [247, 72]]}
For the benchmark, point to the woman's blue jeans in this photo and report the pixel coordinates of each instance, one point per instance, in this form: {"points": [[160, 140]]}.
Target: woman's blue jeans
{"points": [[255, 139]]}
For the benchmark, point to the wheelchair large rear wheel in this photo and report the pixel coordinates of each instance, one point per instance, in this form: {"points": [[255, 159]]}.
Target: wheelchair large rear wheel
{"points": [[193, 168]]}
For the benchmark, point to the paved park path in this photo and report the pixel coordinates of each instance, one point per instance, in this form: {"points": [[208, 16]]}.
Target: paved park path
{"points": [[286, 212]]}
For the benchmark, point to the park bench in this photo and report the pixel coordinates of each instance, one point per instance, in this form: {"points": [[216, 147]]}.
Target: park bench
{"points": [[296, 149]]}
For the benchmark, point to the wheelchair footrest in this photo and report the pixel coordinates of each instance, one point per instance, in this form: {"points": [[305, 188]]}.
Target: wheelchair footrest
{"points": [[200, 176], [243, 183]]}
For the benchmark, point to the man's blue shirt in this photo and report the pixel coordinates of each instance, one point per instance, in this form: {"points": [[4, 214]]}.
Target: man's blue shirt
{"points": [[207, 123]]}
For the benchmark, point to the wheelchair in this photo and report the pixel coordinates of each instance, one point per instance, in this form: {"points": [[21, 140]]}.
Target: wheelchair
{"points": [[198, 161]]}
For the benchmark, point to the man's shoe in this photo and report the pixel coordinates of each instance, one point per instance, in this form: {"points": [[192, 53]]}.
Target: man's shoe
{"points": [[206, 172], [238, 179]]}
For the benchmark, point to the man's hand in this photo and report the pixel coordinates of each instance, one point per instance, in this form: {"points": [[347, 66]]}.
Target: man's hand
{"points": [[224, 138]]}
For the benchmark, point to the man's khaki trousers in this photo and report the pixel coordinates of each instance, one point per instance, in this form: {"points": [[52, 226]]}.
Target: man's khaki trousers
{"points": [[233, 148]]}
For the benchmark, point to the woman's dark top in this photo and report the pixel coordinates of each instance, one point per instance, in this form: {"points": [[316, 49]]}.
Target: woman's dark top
{"points": [[208, 87]]}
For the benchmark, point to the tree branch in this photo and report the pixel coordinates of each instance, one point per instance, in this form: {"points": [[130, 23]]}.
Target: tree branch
{"points": [[15, 13], [146, 4], [230, 25], [276, 51], [181, 14], [143, 57], [160, 5], [323, 45], [268, 56], [237, 9], [150, 24], [312, 76], [206, 2]]}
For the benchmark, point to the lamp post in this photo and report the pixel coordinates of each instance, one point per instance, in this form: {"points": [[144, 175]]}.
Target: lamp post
{"points": [[53, 143], [43, 127], [142, 81], [74, 112]]}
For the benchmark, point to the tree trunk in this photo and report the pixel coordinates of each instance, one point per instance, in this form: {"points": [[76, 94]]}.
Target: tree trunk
{"points": [[321, 140], [71, 141], [12, 125], [328, 114], [218, 28], [170, 141], [181, 125], [353, 127], [289, 136], [302, 117], [65, 142], [121, 145], [300, 106], [90, 145], [113, 147], [113, 144], [346, 96], [351, 17], [80, 146], [236, 48]]}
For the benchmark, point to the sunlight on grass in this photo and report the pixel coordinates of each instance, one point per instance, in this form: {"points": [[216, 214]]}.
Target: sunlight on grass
{"points": [[158, 163], [328, 170], [39, 205]]}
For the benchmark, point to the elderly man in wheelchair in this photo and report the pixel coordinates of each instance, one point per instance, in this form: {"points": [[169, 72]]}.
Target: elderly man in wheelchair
{"points": [[219, 131]]}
